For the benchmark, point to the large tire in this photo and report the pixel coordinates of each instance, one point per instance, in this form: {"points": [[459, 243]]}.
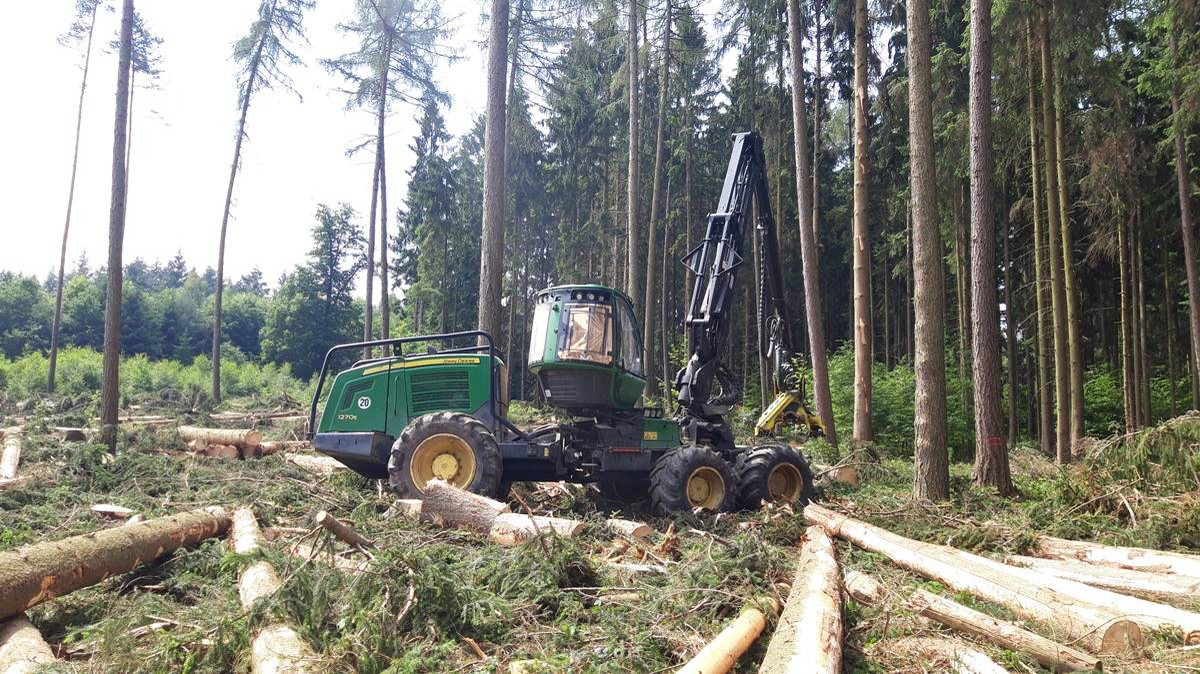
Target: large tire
{"points": [[452, 446], [624, 491], [775, 473], [692, 477]]}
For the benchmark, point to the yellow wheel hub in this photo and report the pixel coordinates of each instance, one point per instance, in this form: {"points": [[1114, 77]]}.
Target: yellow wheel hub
{"points": [[785, 484], [445, 457], [706, 488]]}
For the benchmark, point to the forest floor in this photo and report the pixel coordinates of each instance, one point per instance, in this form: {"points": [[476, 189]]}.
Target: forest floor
{"points": [[552, 600]]}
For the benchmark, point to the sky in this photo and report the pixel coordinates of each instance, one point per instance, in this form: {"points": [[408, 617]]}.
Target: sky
{"points": [[183, 132]]}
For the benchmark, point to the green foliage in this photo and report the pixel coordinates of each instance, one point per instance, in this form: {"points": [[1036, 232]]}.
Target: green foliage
{"points": [[24, 307]]}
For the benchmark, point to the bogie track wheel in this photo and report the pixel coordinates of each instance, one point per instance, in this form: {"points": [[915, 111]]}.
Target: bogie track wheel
{"points": [[775, 473], [691, 477], [449, 446]]}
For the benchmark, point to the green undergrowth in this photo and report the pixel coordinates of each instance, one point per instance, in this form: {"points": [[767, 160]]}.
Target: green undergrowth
{"points": [[430, 591]]}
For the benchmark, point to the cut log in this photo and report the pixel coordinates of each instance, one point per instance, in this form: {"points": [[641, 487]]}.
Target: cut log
{"points": [[861, 587], [11, 457], [1050, 654], [961, 658], [274, 446], [844, 474], [135, 518], [239, 437], [278, 649], [318, 465], [112, 511], [409, 508], [342, 530], [244, 534], [1153, 586], [629, 527], [1138, 559], [70, 434], [1151, 615], [1099, 629], [722, 652], [222, 452], [37, 573], [516, 528], [809, 634], [448, 505], [22, 649]]}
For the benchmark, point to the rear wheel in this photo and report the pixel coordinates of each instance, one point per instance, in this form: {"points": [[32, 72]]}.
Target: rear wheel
{"points": [[692, 477], [775, 473], [448, 446]]}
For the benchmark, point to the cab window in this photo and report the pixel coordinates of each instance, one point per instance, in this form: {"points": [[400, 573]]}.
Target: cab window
{"points": [[631, 341], [588, 334]]}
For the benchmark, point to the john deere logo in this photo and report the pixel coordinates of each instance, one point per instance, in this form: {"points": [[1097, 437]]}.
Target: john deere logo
{"points": [[364, 403]]}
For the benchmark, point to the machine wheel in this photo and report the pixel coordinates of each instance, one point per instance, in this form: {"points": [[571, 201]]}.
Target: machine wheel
{"points": [[451, 446], [775, 473], [691, 477], [627, 491]]}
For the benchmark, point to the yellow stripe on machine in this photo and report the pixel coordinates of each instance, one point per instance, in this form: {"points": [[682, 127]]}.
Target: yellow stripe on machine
{"points": [[449, 360]]}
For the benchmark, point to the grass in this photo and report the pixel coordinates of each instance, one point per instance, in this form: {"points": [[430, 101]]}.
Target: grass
{"points": [[560, 604]]}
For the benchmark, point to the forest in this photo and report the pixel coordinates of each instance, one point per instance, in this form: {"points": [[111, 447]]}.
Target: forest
{"points": [[984, 221]]}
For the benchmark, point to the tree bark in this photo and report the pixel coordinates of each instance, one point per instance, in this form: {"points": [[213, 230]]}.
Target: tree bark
{"points": [[808, 245], [37, 573], [451, 506], [1098, 629], [633, 188], [863, 328], [932, 462], [22, 649], [342, 530], [1044, 394], [629, 527], [1062, 378], [648, 306], [62, 256], [1145, 584], [1188, 227], [225, 436], [1050, 654], [991, 451], [11, 458], [808, 636], [1128, 380], [1144, 371], [491, 265], [1138, 559], [1010, 325], [516, 528], [110, 392], [1070, 282], [385, 304], [724, 650], [818, 96]]}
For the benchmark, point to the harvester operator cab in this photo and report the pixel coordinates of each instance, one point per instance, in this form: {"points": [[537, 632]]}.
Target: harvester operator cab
{"points": [[586, 350]]}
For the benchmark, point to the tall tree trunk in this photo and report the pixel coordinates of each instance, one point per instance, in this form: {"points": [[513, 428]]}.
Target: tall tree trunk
{"points": [[1010, 325], [932, 462], [1188, 227], [655, 201], [633, 173], [110, 393], [818, 96], [662, 300], [62, 256], [991, 451], [808, 244], [963, 289], [863, 328], [1045, 423], [1128, 384], [1169, 316], [1070, 283], [255, 61], [1062, 376], [1146, 373], [491, 263], [376, 178], [908, 282], [385, 304]]}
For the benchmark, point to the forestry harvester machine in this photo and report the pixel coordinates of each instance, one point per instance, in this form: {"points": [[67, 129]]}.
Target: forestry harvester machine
{"points": [[441, 411]]}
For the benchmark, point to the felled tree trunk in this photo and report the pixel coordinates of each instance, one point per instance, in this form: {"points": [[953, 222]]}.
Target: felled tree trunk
{"points": [[11, 457], [318, 465], [962, 659], [516, 528], [37, 573], [342, 530], [450, 506], [1050, 654], [722, 652], [629, 527], [222, 436], [809, 634], [861, 587], [1154, 586], [271, 447], [1138, 559], [22, 649], [1100, 630]]}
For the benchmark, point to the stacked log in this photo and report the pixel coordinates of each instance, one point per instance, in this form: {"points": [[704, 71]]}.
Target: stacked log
{"points": [[275, 648], [40, 572], [22, 649], [1099, 629], [809, 634], [1136, 559]]}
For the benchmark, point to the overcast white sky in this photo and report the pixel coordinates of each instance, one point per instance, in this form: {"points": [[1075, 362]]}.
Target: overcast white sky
{"points": [[183, 137]]}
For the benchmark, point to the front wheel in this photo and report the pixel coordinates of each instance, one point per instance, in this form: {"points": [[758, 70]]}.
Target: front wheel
{"points": [[691, 477], [448, 446], [775, 473]]}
